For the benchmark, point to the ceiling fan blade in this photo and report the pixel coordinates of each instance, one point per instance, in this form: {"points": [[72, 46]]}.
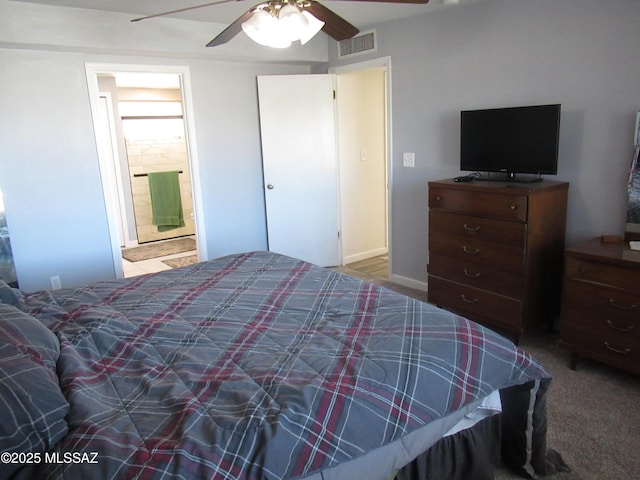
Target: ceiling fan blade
{"points": [[232, 30], [334, 25], [180, 10]]}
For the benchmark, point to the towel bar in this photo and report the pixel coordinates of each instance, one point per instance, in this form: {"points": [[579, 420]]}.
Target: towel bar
{"points": [[146, 174]]}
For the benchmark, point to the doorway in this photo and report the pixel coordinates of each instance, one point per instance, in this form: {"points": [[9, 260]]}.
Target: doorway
{"points": [[142, 125], [321, 209], [349, 195], [364, 145]]}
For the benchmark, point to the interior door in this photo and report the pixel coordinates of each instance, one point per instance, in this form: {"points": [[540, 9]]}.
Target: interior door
{"points": [[297, 123]]}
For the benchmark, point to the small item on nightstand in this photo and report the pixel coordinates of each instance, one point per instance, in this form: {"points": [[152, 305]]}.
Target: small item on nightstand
{"points": [[634, 245], [611, 239]]}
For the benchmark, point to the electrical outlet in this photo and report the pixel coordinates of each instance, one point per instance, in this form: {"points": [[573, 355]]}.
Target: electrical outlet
{"points": [[56, 283], [409, 159]]}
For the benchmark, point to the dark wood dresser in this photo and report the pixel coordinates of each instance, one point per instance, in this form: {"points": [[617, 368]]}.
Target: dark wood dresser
{"points": [[601, 304], [496, 251]]}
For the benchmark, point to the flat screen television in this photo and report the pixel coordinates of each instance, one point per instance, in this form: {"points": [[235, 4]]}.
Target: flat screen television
{"points": [[515, 140]]}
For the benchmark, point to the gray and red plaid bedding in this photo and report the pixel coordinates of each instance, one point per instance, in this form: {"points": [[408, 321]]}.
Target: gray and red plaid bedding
{"points": [[256, 366]]}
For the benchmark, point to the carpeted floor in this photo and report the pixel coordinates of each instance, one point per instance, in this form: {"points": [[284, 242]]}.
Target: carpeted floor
{"points": [[593, 412], [159, 249], [594, 415]]}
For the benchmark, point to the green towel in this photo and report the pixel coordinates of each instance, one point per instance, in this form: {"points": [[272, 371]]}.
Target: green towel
{"points": [[166, 204]]}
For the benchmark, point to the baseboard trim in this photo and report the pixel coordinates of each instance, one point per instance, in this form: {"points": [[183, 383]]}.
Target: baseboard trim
{"points": [[356, 257], [408, 282]]}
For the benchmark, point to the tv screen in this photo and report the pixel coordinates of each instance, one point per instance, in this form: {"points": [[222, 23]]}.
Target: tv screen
{"points": [[510, 140]]}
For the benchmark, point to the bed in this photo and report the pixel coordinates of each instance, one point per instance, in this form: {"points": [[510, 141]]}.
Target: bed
{"points": [[255, 366]]}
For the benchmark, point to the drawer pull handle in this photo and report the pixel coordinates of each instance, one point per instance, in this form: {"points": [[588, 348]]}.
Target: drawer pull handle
{"points": [[468, 300], [438, 198], [613, 303], [471, 229], [612, 325], [470, 251], [471, 274], [617, 350], [513, 207]]}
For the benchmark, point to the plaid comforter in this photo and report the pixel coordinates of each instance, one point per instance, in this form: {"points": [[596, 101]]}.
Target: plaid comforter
{"points": [[256, 366]]}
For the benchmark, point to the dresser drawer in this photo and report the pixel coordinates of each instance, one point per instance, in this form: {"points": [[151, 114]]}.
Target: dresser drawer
{"points": [[619, 350], [486, 229], [477, 275], [480, 305], [492, 205], [612, 275], [600, 308], [578, 325], [472, 250]]}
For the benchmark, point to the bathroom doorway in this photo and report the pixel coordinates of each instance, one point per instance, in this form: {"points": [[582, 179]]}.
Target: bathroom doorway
{"points": [[142, 127]]}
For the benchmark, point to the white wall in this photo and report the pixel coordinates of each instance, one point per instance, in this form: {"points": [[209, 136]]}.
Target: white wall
{"points": [[581, 53], [49, 170], [362, 152]]}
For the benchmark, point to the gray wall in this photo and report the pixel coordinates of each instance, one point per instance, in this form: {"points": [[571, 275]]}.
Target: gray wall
{"points": [[50, 176], [49, 170], [581, 53]]}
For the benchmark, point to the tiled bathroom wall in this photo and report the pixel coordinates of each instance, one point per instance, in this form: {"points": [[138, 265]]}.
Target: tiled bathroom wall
{"points": [[158, 156]]}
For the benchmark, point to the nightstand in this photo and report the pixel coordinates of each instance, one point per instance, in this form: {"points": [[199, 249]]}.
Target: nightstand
{"points": [[600, 315]]}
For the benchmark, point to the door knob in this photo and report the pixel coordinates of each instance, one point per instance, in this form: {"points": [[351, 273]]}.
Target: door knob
{"points": [[270, 187]]}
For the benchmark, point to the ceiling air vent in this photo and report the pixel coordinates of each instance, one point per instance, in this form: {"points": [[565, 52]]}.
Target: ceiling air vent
{"points": [[364, 42]]}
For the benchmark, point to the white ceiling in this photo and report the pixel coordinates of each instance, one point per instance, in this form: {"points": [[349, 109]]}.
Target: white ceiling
{"points": [[359, 13]]}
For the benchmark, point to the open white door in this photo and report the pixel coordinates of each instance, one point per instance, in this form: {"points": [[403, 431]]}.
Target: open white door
{"points": [[297, 123]]}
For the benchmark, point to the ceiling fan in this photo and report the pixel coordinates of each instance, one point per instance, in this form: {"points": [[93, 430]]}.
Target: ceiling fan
{"points": [[276, 23]]}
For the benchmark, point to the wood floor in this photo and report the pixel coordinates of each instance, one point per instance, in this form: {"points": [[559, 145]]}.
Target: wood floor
{"points": [[375, 266], [375, 270]]}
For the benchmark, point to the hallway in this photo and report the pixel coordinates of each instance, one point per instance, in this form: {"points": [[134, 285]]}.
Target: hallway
{"points": [[376, 267]]}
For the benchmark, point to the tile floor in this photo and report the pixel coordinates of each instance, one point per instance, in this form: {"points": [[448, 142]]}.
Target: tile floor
{"points": [[133, 269]]}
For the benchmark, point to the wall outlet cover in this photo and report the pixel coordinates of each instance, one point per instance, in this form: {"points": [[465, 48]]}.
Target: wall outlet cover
{"points": [[409, 159]]}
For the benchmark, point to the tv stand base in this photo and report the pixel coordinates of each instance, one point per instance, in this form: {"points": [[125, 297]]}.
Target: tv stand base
{"points": [[511, 177]]}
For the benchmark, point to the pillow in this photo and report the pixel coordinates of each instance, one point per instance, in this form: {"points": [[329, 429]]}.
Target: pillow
{"points": [[33, 409], [30, 335], [9, 295]]}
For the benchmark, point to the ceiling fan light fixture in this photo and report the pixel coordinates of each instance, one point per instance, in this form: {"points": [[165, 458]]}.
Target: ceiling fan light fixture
{"points": [[292, 22], [314, 27], [263, 28], [278, 26], [256, 24]]}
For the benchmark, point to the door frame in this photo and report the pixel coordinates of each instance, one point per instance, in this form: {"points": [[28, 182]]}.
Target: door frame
{"points": [[109, 148], [92, 71], [385, 63]]}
